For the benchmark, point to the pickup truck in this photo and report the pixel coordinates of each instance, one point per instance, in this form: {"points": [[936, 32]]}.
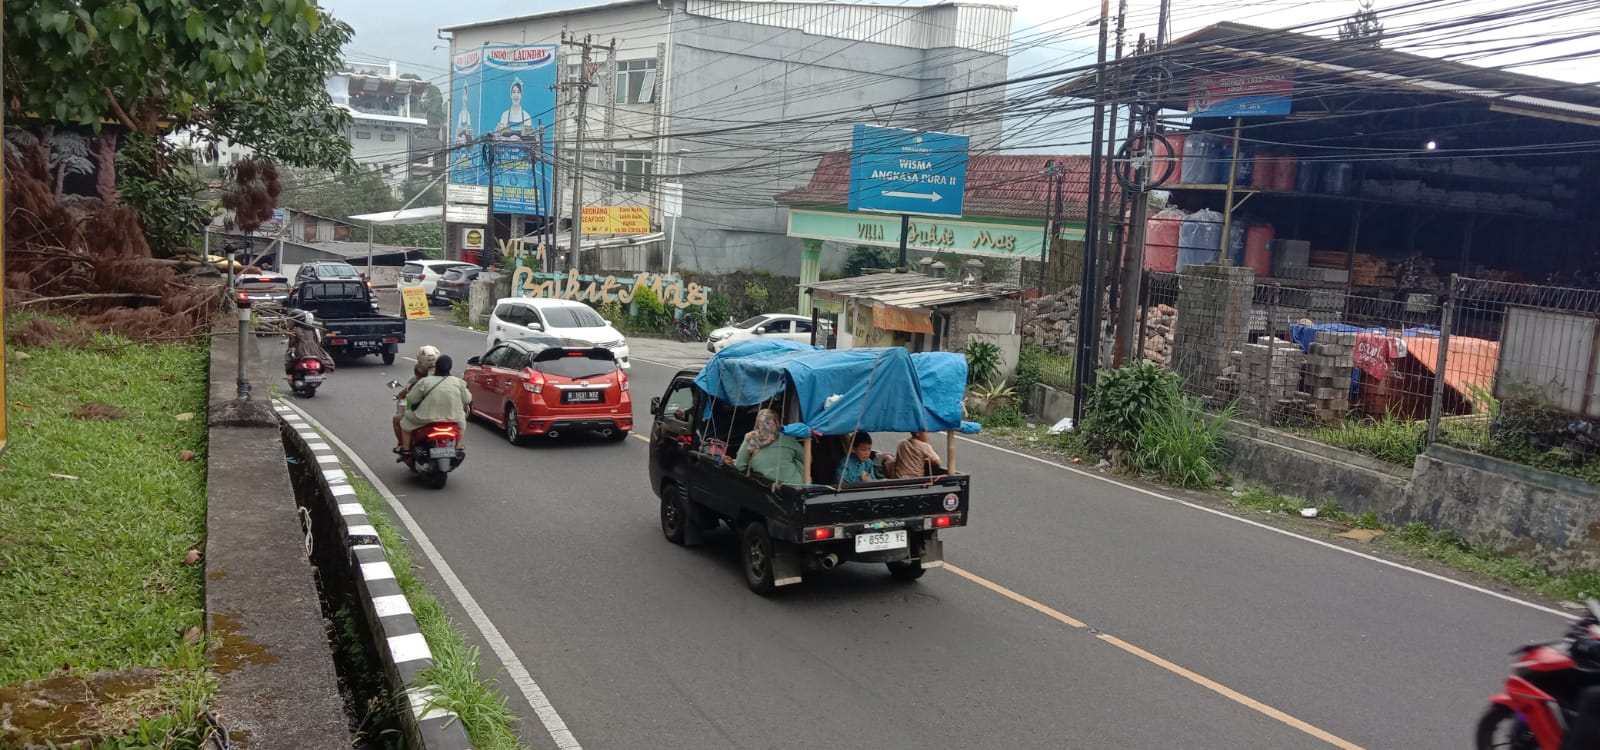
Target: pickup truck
{"points": [[788, 529], [354, 328]]}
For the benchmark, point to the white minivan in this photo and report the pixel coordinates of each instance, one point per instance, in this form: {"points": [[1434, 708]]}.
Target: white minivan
{"points": [[575, 323]]}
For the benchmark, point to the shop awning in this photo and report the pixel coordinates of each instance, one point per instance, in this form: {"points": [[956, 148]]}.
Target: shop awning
{"points": [[423, 215]]}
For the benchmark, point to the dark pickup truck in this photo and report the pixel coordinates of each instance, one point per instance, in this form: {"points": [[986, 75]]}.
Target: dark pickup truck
{"points": [[346, 311], [787, 529]]}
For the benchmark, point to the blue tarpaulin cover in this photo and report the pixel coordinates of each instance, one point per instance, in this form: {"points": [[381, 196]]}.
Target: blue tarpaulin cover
{"points": [[841, 391]]}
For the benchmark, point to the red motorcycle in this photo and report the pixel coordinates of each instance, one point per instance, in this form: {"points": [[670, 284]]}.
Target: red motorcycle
{"points": [[305, 376], [1539, 701]]}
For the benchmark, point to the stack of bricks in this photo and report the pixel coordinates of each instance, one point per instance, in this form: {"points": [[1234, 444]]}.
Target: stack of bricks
{"points": [[1327, 376], [1269, 375]]}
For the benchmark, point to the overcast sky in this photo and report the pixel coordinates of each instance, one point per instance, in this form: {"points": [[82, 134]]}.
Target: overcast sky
{"points": [[1049, 33]]}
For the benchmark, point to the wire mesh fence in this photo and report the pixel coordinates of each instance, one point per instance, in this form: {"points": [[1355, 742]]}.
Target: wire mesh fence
{"points": [[1500, 368]]}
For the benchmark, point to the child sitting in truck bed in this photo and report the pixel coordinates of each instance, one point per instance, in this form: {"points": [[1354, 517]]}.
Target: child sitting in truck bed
{"points": [[859, 466]]}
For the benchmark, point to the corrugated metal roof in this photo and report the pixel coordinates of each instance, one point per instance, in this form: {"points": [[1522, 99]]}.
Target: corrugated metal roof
{"points": [[908, 290], [1012, 186], [548, 14]]}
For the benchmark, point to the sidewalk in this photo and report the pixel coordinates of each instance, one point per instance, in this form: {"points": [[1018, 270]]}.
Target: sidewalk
{"points": [[668, 352]]}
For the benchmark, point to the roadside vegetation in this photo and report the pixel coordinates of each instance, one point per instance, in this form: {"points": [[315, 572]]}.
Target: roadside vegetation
{"points": [[1391, 439], [102, 523], [455, 674]]}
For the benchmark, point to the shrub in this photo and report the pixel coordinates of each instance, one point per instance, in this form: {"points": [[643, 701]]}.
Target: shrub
{"points": [[863, 258], [983, 362], [461, 312], [1035, 364], [1394, 440], [1125, 400], [719, 311], [649, 314], [1181, 444]]}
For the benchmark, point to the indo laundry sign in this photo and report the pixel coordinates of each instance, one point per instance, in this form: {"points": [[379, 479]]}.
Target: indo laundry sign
{"points": [[502, 105]]}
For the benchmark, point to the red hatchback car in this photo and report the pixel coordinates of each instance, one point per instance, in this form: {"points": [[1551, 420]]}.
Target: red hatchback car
{"points": [[537, 387]]}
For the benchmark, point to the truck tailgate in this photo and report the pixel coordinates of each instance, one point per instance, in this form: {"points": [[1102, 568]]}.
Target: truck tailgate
{"points": [[934, 496]]}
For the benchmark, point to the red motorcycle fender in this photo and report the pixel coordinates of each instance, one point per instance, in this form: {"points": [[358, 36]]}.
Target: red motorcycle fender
{"points": [[1537, 708]]}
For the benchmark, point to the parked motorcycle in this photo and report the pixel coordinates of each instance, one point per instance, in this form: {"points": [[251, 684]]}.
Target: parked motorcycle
{"points": [[435, 450], [687, 328], [1539, 701]]}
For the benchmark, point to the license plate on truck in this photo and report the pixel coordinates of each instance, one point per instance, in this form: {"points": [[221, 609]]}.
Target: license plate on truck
{"points": [[880, 541]]}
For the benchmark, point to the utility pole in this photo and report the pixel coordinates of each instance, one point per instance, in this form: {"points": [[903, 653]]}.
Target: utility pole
{"points": [[1089, 295], [488, 234], [585, 81]]}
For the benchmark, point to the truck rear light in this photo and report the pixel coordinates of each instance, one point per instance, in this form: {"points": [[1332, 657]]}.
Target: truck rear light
{"points": [[337, 342], [821, 534], [942, 522], [391, 339]]}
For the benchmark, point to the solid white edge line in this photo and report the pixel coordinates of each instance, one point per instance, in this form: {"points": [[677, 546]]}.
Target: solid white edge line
{"points": [[1275, 530], [535, 695]]}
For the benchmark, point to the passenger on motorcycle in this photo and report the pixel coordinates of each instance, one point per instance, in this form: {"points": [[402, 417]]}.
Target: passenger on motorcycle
{"points": [[440, 397], [426, 356]]}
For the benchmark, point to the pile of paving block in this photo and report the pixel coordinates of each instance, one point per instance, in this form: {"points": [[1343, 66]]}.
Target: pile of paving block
{"points": [[1326, 380]]}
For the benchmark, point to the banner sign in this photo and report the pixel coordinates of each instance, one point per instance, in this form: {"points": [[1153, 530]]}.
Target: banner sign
{"points": [[416, 301], [503, 104], [616, 220], [963, 236], [1263, 91]]}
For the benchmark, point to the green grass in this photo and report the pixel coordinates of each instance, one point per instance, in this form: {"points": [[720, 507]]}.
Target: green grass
{"points": [[1418, 540], [1397, 441], [91, 569], [454, 673]]}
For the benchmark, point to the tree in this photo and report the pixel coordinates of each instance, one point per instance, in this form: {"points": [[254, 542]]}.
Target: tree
{"points": [[337, 195], [865, 257], [248, 71], [1363, 28]]}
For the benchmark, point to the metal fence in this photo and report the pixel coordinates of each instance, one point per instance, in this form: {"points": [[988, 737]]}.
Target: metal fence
{"points": [[1502, 368]]}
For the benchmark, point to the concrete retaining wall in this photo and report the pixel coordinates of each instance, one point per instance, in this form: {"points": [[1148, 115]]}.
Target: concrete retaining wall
{"points": [[1049, 405], [1550, 519], [390, 623]]}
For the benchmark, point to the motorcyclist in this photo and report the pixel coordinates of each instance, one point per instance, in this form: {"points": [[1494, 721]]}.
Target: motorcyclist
{"points": [[1585, 731], [426, 357], [440, 397], [305, 340]]}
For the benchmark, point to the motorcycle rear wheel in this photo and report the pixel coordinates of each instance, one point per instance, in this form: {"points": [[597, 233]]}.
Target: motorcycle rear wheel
{"points": [[1500, 728]]}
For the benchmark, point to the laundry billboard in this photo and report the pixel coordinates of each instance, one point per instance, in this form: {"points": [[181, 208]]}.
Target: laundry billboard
{"points": [[503, 103]]}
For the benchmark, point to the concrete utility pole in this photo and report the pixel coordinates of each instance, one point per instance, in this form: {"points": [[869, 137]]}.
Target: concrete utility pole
{"points": [[585, 81]]}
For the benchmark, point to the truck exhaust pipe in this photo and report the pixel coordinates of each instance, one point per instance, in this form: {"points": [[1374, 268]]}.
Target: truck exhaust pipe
{"points": [[828, 560]]}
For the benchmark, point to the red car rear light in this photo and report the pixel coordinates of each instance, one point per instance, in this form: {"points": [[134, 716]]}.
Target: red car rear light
{"points": [[622, 378], [534, 383]]}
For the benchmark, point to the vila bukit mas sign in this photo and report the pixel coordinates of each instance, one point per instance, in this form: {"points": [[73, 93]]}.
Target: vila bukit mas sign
{"points": [[528, 282], [955, 236]]}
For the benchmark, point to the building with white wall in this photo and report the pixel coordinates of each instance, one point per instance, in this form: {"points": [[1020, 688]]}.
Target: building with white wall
{"points": [[691, 76]]}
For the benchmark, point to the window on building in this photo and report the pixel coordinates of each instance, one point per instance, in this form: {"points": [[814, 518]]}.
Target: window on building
{"points": [[636, 81], [363, 134], [387, 135], [632, 171]]}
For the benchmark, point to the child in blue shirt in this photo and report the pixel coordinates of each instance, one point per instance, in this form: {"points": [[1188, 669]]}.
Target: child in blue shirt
{"points": [[859, 466]]}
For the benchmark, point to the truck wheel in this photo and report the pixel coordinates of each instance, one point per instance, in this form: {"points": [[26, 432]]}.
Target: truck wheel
{"points": [[758, 558], [906, 570], [388, 358], [674, 513]]}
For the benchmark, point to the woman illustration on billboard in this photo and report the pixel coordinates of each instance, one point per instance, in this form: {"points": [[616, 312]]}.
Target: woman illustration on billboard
{"points": [[515, 122]]}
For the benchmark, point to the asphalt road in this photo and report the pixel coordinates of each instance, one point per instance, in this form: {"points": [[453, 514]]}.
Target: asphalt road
{"points": [[1080, 613]]}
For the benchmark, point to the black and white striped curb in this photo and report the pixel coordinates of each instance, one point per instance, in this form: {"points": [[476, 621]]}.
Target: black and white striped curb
{"points": [[404, 651]]}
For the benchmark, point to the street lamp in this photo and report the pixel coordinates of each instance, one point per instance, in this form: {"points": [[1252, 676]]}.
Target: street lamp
{"points": [[672, 204]]}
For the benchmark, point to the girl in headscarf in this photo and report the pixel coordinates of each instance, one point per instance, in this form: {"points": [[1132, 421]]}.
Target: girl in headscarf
{"points": [[770, 453]]}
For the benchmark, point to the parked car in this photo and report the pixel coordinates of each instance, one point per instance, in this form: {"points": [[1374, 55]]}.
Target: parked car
{"points": [[533, 387], [426, 273], [576, 324], [261, 287], [770, 326], [455, 285]]}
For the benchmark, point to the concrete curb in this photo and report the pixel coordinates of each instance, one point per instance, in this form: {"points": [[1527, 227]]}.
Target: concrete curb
{"points": [[401, 647]]}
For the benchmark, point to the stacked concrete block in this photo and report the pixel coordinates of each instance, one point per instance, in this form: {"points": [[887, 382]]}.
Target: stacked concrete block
{"points": [[1326, 381]]}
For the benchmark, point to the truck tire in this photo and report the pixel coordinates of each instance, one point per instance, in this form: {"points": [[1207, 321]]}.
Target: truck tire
{"points": [[757, 555], [388, 358], [906, 570], [674, 513]]}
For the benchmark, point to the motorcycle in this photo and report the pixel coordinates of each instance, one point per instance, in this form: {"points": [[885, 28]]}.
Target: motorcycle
{"points": [[435, 450], [687, 328], [1539, 701], [305, 363]]}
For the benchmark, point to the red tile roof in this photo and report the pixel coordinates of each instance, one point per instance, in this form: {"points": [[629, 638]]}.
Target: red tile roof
{"points": [[1012, 186]]}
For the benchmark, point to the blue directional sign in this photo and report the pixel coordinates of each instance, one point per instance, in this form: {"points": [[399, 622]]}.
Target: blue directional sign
{"points": [[907, 172]]}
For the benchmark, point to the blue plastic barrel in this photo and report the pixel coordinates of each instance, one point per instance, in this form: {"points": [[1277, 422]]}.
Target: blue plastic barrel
{"points": [[1199, 238], [1201, 152]]}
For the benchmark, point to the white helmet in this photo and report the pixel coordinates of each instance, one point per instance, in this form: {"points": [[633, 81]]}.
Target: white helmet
{"points": [[427, 356]]}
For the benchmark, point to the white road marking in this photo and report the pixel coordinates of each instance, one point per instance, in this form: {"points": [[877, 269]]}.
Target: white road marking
{"points": [[1275, 530], [535, 695]]}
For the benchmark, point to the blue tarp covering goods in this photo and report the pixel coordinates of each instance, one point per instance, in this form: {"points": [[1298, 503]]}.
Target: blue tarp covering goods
{"points": [[843, 391]]}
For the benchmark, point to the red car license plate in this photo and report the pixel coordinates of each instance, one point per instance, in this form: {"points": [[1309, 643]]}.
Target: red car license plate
{"points": [[580, 397]]}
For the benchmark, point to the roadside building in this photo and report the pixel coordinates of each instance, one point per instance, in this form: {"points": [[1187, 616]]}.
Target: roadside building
{"points": [[708, 70], [922, 312]]}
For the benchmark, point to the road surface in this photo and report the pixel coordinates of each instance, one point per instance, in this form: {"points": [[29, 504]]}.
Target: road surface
{"points": [[1078, 612]]}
